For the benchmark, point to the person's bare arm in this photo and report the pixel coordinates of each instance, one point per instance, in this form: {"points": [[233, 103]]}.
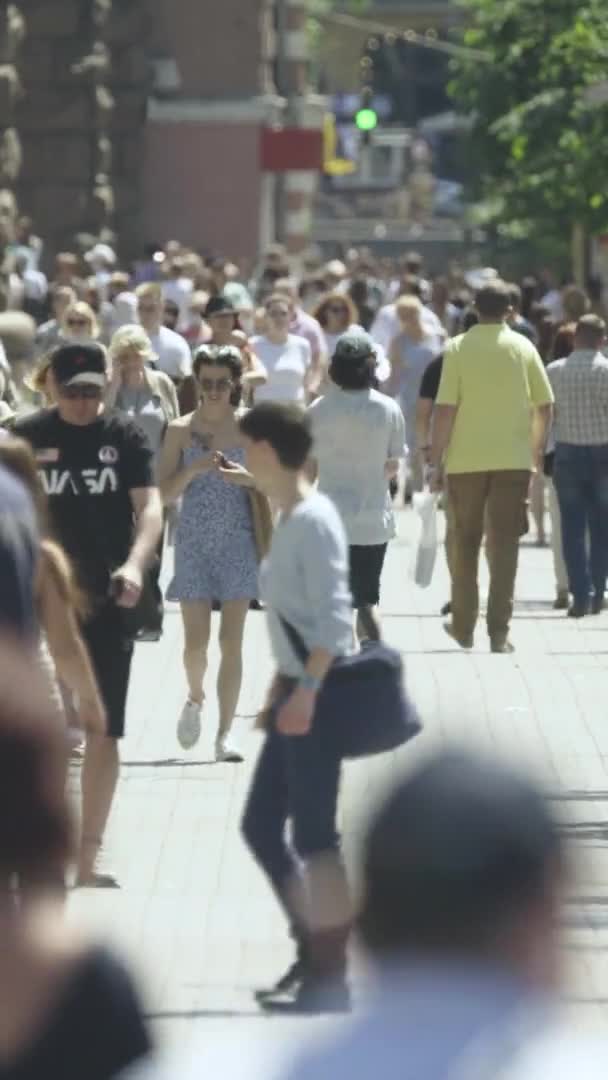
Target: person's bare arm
{"points": [[444, 420], [391, 386], [173, 478], [542, 419], [255, 374], [68, 651], [148, 510], [424, 415]]}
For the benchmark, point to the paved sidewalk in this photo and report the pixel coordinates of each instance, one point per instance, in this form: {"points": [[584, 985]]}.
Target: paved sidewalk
{"points": [[194, 915]]}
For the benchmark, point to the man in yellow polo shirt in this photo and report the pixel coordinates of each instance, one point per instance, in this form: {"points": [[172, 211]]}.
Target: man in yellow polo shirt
{"points": [[493, 414]]}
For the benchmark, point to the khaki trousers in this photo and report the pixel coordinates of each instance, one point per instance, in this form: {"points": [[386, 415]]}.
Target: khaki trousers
{"points": [[495, 501]]}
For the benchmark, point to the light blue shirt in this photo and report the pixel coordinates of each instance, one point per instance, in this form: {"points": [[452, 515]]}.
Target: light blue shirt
{"points": [[355, 433], [305, 579], [425, 1021]]}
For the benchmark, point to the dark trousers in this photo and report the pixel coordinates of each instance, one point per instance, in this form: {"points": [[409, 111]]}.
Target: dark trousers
{"points": [[296, 779], [581, 481]]}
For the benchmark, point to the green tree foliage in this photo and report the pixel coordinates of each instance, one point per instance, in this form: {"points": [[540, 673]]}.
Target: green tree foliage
{"points": [[539, 145]]}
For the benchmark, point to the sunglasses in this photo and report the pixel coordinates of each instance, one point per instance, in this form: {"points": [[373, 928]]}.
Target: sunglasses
{"points": [[148, 309], [211, 385], [86, 392], [337, 309], [75, 323], [278, 313]]}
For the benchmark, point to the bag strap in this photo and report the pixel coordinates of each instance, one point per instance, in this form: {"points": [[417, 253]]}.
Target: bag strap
{"points": [[295, 640]]}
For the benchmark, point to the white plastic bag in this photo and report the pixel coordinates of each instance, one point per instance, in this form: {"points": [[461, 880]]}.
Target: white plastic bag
{"points": [[425, 505]]}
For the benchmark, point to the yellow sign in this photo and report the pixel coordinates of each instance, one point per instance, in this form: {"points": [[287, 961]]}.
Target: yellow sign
{"points": [[333, 165]]}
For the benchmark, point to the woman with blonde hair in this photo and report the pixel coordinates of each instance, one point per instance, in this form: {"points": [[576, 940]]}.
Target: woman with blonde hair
{"points": [[411, 352], [149, 398], [79, 323]]}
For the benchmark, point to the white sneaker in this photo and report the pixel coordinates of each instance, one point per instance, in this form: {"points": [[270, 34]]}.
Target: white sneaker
{"points": [[189, 725], [226, 751]]}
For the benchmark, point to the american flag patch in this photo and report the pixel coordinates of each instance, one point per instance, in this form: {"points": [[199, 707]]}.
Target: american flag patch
{"points": [[47, 456]]}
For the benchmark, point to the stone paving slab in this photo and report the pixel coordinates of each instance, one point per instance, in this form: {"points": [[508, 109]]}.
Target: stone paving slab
{"points": [[194, 915]]}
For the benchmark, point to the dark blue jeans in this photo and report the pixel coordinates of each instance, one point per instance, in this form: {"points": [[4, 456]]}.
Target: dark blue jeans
{"points": [[296, 779], [581, 482]]}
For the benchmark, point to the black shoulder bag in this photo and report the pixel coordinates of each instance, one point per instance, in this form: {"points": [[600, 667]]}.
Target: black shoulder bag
{"points": [[362, 707]]}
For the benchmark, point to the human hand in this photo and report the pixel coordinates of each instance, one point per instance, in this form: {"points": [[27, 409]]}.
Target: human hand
{"points": [[127, 584], [234, 473], [296, 715], [203, 464]]}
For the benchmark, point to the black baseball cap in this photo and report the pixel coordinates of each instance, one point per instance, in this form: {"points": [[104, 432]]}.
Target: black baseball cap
{"points": [[74, 365], [219, 305]]}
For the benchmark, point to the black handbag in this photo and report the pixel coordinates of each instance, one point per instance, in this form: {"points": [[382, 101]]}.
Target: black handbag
{"points": [[362, 708]]}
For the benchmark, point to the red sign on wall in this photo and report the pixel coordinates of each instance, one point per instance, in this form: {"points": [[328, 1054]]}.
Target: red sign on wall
{"points": [[291, 149]]}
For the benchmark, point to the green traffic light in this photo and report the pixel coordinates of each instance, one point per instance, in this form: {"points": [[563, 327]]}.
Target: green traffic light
{"points": [[366, 119]]}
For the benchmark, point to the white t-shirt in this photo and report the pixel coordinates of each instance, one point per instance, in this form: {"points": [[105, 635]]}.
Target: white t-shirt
{"points": [[179, 290], [287, 366], [173, 353]]}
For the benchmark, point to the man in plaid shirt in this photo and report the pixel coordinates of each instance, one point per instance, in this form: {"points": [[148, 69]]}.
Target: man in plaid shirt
{"points": [[580, 385]]}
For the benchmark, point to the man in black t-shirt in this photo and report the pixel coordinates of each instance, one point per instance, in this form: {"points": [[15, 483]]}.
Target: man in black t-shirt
{"points": [[96, 469]]}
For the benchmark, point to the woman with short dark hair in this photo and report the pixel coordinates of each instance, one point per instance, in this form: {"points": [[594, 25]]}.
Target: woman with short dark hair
{"points": [[305, 588]]}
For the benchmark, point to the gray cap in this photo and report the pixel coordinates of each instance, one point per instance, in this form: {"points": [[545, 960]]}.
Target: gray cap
{"points": [[355, 345]]}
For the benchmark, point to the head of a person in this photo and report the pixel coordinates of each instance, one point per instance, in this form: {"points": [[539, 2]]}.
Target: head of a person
{"points": [[278, 440], [410, 285], [463, 863], [130, 350], [441, 292], [493, 302], [92, 294], [275, 257], [33, 773], [66, 268], [119, 282], [413, 263], [222, 319], [408, 310], [336, 312], [217, 269], [79, 322], [101, 258], [353, 364], [575, 303], [62, 297], [278, 311], [529, 293], [590, 333], [289, 288], [170, 314], [218, 370], [150, 307], [334, 274], [563, 342], [79, 380]]}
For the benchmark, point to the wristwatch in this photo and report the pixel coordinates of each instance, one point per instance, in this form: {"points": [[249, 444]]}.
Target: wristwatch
{"points": [[310, 683]]}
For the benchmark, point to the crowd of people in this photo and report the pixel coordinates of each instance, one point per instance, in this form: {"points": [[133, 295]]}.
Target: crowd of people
{"points": [[264, 426]]}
